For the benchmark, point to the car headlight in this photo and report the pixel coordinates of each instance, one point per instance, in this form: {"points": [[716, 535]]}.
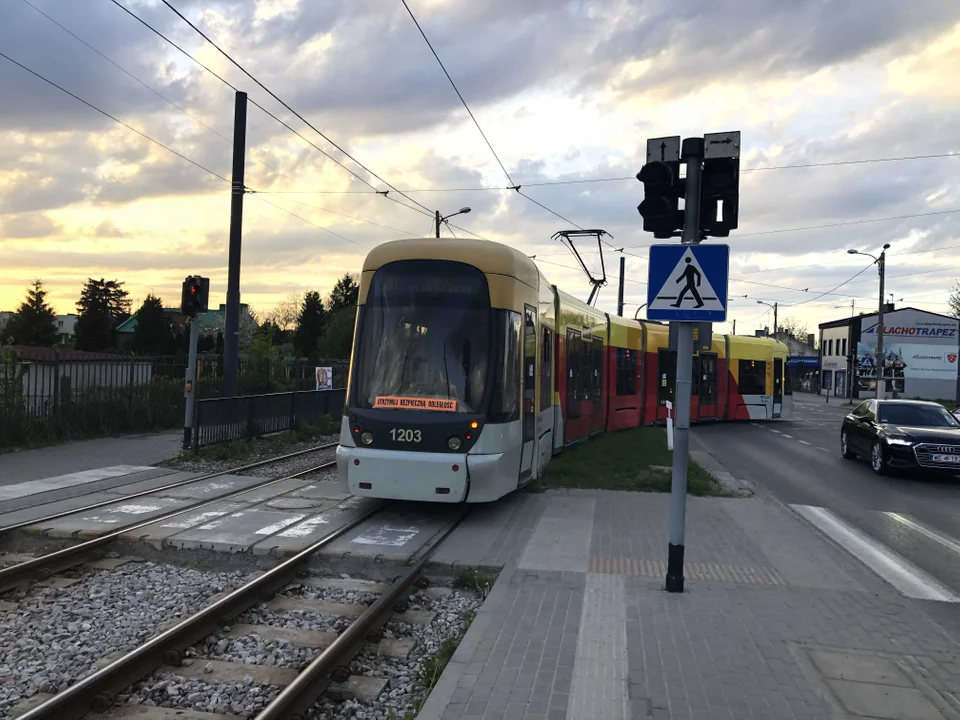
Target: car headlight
{"points": [[899, 441]]}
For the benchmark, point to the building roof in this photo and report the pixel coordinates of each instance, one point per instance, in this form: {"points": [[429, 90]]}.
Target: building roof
{"points": [[45, 354], [130, 324], [850, 320]]}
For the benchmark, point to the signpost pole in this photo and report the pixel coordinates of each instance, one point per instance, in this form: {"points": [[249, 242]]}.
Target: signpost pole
{"points": [[692, 155], [190, 388]]}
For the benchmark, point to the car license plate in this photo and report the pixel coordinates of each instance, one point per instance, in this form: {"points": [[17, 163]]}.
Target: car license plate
{"points": [[955, 459]]}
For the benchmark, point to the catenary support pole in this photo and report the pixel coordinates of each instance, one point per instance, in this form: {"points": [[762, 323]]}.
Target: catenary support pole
{"points": [[190, 386], [775, 306], [231, 330], [692, 155], [881, 262], [623, 271], [438, 223]]}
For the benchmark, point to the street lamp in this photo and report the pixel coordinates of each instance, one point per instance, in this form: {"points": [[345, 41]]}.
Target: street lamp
{"points": [[774, 306], [881, 263], [461, 211]]}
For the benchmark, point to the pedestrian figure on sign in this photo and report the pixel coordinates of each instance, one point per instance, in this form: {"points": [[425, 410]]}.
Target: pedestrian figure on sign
{"points": [[692, 276]]}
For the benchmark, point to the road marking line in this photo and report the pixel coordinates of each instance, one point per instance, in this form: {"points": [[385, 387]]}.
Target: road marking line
{"points": [[787, 436], [947, 542], [803, 442], [896, 570], [776, 431], [820, 448]]}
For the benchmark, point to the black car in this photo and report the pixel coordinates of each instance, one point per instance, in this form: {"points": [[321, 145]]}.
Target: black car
{"points": [[904, 434]]}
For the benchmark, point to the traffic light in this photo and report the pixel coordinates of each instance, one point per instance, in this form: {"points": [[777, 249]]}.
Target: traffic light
{"points": [[719, 196], [195, 295], [662, 189]]}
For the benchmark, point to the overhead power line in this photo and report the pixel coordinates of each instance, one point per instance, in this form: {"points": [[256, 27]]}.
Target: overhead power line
{"points": [[288, 107], [625, 178], [171, 150], [457, 90], [115, 119]]}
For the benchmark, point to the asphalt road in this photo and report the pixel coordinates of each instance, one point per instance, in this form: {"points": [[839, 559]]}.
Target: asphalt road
{"points": [[798, 462]]}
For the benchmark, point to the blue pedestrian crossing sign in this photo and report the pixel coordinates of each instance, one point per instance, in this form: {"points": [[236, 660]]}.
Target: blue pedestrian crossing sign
{"points": [[688, 283]]}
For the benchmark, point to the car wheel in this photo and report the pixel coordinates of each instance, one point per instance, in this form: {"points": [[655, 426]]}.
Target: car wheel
{"points": [[845, 452], [877, 463]]}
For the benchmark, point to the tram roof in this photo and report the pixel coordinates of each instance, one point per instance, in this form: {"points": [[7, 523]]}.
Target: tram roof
{"points": [[487, 256]]}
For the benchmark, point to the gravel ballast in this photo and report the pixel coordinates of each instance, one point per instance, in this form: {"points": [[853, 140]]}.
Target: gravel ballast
{"points": [[265, 451], [54, 636], [404, 691]]}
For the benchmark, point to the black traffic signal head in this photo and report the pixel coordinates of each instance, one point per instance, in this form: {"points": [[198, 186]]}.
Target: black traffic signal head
{"points": [[720, 196], [194, 296], [662, 189]]}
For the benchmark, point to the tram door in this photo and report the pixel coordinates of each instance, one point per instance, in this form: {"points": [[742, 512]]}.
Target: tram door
{"points": [[529, 390], [706, 381], [777, 387], [666, 379]]}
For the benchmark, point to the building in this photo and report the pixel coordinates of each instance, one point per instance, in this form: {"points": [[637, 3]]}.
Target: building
{"points": [[920, 355], [66, 325], [125, 330], [5, 315]]}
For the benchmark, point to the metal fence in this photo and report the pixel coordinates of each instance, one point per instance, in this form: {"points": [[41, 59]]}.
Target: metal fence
{"points": [[48, 395], [219, 420]]}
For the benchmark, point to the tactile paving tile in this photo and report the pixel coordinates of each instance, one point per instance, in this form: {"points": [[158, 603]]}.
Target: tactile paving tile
{"points": [[691, 571]]}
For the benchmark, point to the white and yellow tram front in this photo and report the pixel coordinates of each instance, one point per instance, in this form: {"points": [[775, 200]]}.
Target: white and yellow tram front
{"points": [[435, 399]]}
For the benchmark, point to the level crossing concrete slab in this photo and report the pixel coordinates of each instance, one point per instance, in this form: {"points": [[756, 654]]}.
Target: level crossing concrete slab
{"points": [[35, 487], [35, 512], [199, 490], [107, 518], [394, 535]]}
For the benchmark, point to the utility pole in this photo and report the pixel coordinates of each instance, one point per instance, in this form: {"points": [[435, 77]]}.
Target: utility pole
{"points": [[881, 267], [438, 223], [623, 271], [692, 155], [734, 326], [231, 330]]}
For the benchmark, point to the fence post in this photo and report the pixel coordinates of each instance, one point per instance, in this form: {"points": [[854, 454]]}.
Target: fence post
{"points": [[197, 424], [56, 380]]}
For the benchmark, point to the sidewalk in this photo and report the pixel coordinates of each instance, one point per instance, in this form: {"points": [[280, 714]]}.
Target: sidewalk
{"points": [[777, 621], [56, 460]]}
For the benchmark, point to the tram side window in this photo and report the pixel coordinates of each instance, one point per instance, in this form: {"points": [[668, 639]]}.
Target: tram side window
{"points": [[506, 401], [626, 371], [546, 369], [753, 377]]}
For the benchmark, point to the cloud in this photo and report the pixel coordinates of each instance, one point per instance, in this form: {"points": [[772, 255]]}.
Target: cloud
{"points": [[29, 225], [107, 229]]}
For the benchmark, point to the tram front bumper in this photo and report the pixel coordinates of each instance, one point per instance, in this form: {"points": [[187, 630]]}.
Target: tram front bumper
{"points": [[402, 475]]}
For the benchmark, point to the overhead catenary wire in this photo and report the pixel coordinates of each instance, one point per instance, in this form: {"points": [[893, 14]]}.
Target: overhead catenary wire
{"points": [[288, 107], [372, 190], [625, 178], [115, 119], [167, 148], [456, 90]]}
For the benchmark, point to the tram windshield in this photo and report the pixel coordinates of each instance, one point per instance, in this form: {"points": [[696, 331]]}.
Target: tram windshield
{"points": [[423, 341]]}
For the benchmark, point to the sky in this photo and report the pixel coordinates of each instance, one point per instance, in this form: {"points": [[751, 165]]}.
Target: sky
{"points": [[565, 92]]}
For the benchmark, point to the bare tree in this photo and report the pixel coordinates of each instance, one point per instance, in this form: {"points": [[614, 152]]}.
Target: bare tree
{"points": [[285, 314], [795, 328], [954, 301]]}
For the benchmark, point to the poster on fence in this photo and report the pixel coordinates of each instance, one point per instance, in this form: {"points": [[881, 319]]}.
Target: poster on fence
{"points": [[324, 378]]}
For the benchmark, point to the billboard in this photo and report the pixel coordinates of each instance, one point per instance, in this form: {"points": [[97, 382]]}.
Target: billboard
{"points": [[905, 361]]}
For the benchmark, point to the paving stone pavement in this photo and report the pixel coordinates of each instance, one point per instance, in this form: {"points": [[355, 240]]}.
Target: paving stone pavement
{"points": [[780, 623], [45, 462]]}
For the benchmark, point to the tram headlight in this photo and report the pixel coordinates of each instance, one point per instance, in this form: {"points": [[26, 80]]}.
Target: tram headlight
{"points": [[454, 443], [366, 438]]}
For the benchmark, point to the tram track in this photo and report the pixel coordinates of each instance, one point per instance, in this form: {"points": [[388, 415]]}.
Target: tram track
{"points": [[97, 692], [42, 567]]}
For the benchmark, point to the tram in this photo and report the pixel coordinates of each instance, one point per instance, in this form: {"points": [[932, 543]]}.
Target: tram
{"points": [[470, 371]]}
